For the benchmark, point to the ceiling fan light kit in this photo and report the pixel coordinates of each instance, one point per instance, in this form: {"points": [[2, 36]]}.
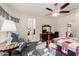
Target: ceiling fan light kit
{"points": [[55, 14], [57, 11]]}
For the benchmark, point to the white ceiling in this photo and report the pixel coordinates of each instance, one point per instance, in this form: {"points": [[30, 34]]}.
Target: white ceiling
{"points": [[39, 8]]}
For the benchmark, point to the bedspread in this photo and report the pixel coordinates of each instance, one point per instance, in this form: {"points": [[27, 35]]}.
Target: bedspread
{"points": [[65, 47]]}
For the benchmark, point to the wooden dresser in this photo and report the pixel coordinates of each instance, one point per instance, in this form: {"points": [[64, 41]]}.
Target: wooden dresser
{"points": [[44, 34]]}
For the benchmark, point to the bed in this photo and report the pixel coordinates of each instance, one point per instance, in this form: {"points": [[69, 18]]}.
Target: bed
{"points": [[72, 47]]}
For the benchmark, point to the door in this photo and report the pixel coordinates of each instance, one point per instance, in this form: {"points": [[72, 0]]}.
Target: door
{"points": [[31, 29]]}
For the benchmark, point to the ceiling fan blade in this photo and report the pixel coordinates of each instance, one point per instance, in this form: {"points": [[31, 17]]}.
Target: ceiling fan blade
{"points": [[49, 9], [64, 11], [48, 14], [65, 5]]}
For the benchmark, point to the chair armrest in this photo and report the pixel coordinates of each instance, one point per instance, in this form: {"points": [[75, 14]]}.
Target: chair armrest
{"points": [[21, 46]]}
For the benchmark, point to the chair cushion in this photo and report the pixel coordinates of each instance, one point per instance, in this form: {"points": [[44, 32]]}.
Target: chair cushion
{"points": [[15, 37], [21, 46]]}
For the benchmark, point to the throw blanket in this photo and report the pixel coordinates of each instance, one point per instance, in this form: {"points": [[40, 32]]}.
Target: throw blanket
{"points": [[77, 51], [65, 47], [55, 40]]}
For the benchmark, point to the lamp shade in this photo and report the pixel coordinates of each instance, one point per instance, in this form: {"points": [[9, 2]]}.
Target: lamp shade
{"points": [[8, 26]]}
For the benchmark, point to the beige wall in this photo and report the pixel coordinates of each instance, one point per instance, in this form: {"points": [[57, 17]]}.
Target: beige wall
{"points": [[62, 24], [39, 22], [22, 25], [57, 24]]}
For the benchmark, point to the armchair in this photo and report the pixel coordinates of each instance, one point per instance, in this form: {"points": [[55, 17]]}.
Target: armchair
{"points": [[22, 43]]}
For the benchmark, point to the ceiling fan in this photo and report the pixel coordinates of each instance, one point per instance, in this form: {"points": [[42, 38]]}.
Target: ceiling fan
{"points": [[57, 11]]}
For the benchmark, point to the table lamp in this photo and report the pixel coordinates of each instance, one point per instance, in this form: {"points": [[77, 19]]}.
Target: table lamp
{"points": [[8, 26]]}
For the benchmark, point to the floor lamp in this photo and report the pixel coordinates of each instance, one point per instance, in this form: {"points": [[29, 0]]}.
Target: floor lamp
{"points": [[8, 26]]}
